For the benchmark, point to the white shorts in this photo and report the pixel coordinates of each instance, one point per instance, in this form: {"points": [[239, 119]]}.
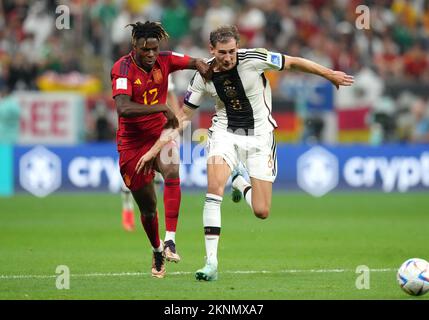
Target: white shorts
{"points": [[257, 153]]}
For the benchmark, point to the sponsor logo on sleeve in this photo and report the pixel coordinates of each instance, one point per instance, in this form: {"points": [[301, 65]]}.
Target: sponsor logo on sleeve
{"points": [[121, 84], [187, 95], [275, 60]]}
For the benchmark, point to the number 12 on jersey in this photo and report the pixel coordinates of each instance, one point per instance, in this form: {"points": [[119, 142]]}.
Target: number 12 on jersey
{"points": [[152, 93]]}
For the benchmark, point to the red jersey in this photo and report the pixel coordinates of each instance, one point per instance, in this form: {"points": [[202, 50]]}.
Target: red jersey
{"points": [[145, 88]]}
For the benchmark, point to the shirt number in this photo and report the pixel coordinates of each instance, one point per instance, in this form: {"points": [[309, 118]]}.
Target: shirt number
{"points": [[152, 93]]}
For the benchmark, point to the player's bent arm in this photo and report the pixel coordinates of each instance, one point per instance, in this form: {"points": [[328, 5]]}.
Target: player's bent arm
{"points": [[127, 108], [168, 135], [338, 78], [146, 161]]}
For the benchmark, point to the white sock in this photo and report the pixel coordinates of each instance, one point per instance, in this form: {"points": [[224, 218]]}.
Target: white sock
{"points": [[127, 200], [170, 235], [245, 188], [212, 223], [248, 196]]}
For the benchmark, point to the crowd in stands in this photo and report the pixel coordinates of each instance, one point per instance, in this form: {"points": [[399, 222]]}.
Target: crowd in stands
{"points": [[395, 47]]}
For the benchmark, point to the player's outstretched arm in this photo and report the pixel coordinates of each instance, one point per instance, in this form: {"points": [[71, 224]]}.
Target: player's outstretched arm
{"points": [[338, 78], [146, 162]]}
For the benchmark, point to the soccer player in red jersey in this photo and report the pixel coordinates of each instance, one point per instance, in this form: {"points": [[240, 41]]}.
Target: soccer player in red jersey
{"points": [[139, 85], [127, 198]]}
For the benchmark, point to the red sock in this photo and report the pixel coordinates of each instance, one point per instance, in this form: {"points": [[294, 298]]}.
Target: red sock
{"points": [[151, 228], [172, 197]]}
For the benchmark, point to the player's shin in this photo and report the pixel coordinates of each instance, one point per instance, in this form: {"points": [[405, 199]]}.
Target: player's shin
{"points": [[212, 225], [150, 225], [172, 198]]}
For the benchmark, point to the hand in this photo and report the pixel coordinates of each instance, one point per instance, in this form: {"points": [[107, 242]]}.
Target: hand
{"points": [[172, 121], [146, 162], [204, 69], [339, 78]]}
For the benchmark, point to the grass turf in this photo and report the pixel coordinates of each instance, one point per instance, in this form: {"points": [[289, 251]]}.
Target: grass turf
{"points": [[308, 249]]}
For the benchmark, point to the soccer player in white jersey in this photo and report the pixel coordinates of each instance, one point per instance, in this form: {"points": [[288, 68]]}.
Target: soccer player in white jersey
{"points": [[242, 129]]}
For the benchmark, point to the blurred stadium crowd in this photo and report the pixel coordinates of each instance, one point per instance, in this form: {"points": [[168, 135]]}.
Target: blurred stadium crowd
{"points": [[390, 60]]}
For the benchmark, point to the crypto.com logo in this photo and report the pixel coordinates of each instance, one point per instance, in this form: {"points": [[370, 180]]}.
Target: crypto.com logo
{"points": [[40, 171], [317, 171]]}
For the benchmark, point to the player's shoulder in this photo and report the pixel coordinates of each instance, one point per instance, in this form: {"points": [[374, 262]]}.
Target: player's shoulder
{"points": [[168, 54], [122, 66], [197, 80], [252, 54], [164, 54], [262, 58], [168, 57], [209, 60]]}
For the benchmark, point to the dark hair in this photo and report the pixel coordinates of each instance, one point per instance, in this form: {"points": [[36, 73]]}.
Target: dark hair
{"points": [[147, 30], [223, 34]]}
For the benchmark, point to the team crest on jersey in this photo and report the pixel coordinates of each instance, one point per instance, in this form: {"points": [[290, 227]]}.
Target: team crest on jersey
{"points": [[157, 76]]}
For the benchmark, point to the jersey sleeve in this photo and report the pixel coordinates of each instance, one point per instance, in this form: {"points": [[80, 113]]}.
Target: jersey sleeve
{"points": [[195, 92], [121, 83], [178, 61], [266, 60]]}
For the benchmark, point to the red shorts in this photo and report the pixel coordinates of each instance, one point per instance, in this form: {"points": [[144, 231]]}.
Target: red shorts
{"points": [[127, 162], [133, 141]]}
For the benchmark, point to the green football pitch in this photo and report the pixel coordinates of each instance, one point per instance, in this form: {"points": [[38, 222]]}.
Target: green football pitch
{"points": [[308, 249]]}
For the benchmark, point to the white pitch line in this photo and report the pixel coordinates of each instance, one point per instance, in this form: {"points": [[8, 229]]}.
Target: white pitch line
{"points": [[178, 273]]}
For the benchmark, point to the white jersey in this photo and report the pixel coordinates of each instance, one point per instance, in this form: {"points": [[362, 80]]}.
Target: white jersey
{"points": [[242, 94]]}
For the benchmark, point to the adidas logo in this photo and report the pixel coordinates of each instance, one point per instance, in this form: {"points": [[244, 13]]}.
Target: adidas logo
{"points": [[137, 81]]}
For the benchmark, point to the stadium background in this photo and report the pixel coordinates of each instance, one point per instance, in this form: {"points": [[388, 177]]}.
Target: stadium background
{"points": [[371, 139]]}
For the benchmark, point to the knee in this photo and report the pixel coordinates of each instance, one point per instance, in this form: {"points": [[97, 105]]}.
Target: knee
{"points": [[148, 208], [170, 172], [149, 215], [262, 212]]}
